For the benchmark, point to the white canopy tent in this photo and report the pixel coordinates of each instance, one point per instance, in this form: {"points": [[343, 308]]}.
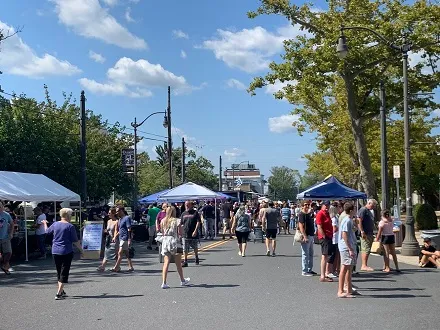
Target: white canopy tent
{"points": [[191, 191], [27, 187]]}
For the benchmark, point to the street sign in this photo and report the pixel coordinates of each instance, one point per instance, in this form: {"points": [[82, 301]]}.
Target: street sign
{"points": [[128, 160], [396, 171]]}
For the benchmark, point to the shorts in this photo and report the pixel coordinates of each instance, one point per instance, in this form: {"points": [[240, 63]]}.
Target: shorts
{"points": [[366, 244], [152, 231], [190, 243], [346, 259], [5, 246], [271, 233], [226, 223], [242, 236], [388, 239], [123, 245], [327, 247]]}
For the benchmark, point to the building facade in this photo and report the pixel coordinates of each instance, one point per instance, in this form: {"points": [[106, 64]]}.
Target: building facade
{"points": [[244, 177]]}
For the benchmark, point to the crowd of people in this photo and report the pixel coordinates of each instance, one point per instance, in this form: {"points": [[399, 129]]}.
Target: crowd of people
{"points": [[342, 234]]}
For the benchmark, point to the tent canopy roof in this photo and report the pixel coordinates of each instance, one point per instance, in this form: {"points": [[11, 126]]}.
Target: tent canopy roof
{"points": [[331, 188], [29, 187], [153, 197], [188, 191]]}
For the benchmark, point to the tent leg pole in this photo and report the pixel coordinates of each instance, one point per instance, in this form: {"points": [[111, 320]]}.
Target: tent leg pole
{"points": [[80, 220], [25, 232], [215, 220]]}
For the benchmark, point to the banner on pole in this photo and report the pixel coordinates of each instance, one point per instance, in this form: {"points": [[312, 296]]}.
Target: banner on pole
{"points": [[128, 160]]}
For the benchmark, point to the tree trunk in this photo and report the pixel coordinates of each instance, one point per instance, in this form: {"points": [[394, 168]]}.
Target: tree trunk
{"points": [[366, 171]]}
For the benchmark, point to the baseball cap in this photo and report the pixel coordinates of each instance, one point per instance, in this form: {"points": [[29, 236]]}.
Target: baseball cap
{"points": [[325, 203]]}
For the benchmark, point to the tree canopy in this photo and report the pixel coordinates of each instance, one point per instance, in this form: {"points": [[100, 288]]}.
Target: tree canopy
{"points": [[283, 182], [338, 99]]}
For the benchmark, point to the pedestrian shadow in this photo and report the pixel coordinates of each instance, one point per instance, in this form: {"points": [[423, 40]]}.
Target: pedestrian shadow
{"points": [[105, 296], [391, 289], [356, 280], [213, 286], [221, 265], [394, 296]]}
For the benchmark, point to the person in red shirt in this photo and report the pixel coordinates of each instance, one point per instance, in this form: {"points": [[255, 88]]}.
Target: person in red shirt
{"points": [[325, 235]]}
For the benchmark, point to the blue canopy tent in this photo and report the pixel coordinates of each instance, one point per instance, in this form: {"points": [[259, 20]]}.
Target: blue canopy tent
{"points": [[152, 198], [331, 188]]}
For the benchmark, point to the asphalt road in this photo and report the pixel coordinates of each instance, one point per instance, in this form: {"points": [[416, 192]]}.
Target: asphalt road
{"points": [[228, 291]]}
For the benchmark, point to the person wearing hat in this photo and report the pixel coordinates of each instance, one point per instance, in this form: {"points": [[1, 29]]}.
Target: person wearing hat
{"points": [[429, 257]]}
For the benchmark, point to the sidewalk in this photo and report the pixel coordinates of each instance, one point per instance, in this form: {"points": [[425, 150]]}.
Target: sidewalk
{"points": [[410, 260]]}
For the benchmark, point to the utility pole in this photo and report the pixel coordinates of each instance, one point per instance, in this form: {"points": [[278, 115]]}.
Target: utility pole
{"points": [[183, 161], [83, 149], [383, 149], [135, 176], [220, 176], [170, 145]]}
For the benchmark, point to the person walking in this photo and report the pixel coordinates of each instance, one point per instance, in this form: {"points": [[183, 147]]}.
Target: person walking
{"points": [[172, 246], [111, 239], [366, 226], [334, 257], [385, 235], [208, 212], [152, 213], [40, 232], [285, 215], [124, 232], [64, 235], [241, 226], [306, 226], [347, 250], [227, 211], [271, 220], [191, 222], [6, 233]]}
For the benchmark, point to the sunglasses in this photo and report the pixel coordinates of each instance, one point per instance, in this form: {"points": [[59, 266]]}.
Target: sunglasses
{"points": [[306, 205]]}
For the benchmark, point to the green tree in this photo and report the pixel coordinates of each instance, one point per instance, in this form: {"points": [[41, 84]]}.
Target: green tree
{"points": [[321, 83], [282, 183]]}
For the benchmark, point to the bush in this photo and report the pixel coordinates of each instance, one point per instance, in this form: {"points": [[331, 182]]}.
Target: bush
{"points": [[425, 217]]}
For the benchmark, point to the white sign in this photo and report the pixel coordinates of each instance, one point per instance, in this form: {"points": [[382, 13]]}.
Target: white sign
{"points": [[396, 171], [92, 236]]}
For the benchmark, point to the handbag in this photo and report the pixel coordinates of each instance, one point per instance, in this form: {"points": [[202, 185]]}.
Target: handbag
{"points": [[376, 247], [299, 237]]}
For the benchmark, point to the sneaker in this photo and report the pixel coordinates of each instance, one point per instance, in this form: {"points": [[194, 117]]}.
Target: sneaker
{"points": [[185, 282], [11, 270], [273, 254], [243, 255], [59, 297], [331, 275], [306, 274], [185, 264], [64, 294], [239, 253], [313, 273], [268, 253], [165, 286]]}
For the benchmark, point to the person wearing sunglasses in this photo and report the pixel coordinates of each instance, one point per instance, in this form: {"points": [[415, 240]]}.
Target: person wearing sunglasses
{"points": [[307, 227]]}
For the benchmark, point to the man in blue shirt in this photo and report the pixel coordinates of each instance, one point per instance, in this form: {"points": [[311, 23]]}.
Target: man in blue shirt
{"points": [[6, 230], [124, 228]]}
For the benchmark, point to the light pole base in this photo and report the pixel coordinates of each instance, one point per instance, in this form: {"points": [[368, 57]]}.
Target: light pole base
{"points": [[411, 248]]}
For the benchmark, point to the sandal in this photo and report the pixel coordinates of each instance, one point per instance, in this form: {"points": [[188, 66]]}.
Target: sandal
{"points": [[115, 270], [130, 269], [100, 269], [7, 272]]}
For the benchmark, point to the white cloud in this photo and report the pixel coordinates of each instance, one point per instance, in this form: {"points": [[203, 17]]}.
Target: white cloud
{"points": [[183, 54], [134, 1], [278, 85], [282, 124], [415, 58], [234, 153], [234, 83], [113, 88], [141, 75], [250, 50], [88, 19], [40, 12], [110, 2], [179, 34], [127, 15], [18, 58], [181, 134], [98, 58]]}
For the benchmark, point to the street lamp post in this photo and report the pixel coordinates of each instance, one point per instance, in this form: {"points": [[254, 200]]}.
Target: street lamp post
{"points": [[410, 246], [383, 148], [135, 126]]}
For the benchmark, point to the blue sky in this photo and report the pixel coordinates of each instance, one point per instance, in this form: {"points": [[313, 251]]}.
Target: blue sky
{"points": [[124, 53]]}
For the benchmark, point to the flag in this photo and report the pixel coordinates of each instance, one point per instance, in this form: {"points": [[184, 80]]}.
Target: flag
{"points": [[238, 182]]}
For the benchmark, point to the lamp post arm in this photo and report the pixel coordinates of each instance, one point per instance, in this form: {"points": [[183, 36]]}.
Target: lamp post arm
{"points": [[143, 121], [381, 37]]}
